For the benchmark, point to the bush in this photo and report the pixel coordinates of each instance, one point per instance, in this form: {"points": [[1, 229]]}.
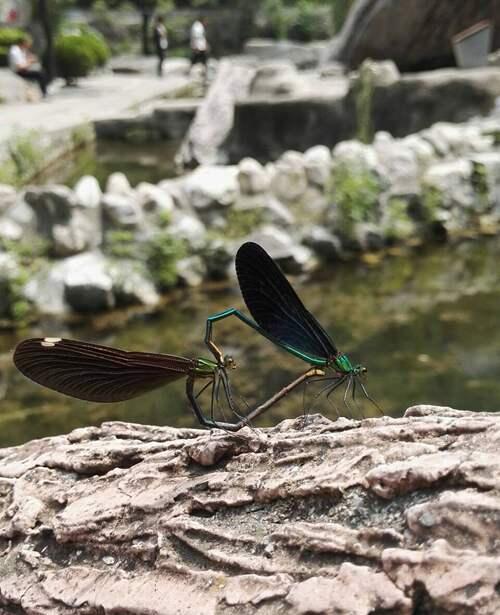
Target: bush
{"points": [[74, 59], [8, 37], [163, 252], [96, 43]]}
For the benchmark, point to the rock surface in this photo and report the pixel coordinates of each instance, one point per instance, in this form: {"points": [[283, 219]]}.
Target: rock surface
{"points": [[422, 39], [384, 515]]}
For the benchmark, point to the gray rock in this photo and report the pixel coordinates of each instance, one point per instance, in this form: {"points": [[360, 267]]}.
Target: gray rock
{"points": [[356, 156], [218, 258], [14, 89], [413, 34], [8, 196], [122, 211], [268, 209], [214, 117], [302, 55], [189, 228], [253, 178], [75, 237], [289, 180], [423, 150], [450, 183], [191, 271], [155, 199], [293, 258], [456, 140], [9, 270], [318, 161], [173, 118], [132, 284], [10, 230], [211, 186], [88, 287], [276, 78], [22, 214], [175, 188], [52, 205], [398, 164], [323, 243], [81, 283], [87, 191], [379, 73], [118, 184]]}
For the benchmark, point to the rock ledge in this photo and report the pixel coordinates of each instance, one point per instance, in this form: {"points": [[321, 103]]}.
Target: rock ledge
{"points": [[380, 516]]}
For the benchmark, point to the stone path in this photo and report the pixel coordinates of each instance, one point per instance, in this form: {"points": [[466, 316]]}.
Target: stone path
{"points": [[96, 97]]}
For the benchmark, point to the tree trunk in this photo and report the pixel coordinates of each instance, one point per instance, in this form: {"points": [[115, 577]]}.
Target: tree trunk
{"points": [[146, 16], [48, 62], [393, 516]]}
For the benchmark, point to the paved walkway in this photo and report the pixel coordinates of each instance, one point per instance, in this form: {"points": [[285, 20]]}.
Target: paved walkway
{"points": [[97, 97]]}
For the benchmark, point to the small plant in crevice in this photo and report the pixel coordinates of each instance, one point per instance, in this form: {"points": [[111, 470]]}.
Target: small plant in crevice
{"points": [[162, 253], [356, 193]]}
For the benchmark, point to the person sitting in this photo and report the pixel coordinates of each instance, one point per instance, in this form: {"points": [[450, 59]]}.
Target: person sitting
{"points": [[22, 61]]}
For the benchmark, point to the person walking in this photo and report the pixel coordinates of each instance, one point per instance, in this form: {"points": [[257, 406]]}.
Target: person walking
{"points": [[160, 41], [198, 43], [22, 61]]}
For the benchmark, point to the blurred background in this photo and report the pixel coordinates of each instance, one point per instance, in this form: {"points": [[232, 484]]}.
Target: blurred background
{"points": [[141, 143]]}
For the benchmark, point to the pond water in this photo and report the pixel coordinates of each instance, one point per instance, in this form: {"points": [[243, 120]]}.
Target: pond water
{"points": [[147, 163], [424, 323]]}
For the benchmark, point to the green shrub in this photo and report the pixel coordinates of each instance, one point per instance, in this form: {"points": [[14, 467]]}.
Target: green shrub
{"points": [[311, 22], [73, 58], [163, 252], [8, 37], [356, 193], [96, 43]]}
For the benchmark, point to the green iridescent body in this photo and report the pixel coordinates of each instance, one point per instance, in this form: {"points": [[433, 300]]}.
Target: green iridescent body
{"points": [[340, 363]]}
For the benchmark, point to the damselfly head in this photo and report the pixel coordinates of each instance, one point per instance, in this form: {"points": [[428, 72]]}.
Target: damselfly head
{"points": [[229, 362]]}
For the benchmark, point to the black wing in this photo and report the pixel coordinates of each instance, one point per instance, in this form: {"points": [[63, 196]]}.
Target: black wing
{"points": [[96, 373], [276, 307]]}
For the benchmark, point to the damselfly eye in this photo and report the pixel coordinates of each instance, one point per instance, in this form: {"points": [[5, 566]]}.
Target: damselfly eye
{"points": [[229, 362]]}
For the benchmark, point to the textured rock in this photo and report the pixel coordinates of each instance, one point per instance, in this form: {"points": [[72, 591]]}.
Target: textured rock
{"points": [[383, 515], [211, 186], [317, 161], [253, 178], [214, 117], [122, 210], [276, 78], [118, 184], [153, 198], [423, 35], [289, 180], [88, 192], [8, 197]]}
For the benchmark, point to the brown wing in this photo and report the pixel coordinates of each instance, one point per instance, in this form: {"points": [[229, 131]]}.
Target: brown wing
{"points": [[96, 373]]}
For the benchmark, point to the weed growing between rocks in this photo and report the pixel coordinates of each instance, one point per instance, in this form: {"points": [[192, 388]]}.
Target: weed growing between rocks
{"points": [[162, 253]]}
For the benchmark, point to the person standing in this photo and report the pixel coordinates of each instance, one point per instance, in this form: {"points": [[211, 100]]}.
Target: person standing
{"points": [[21, 62], [198, 43], [160, 41]]}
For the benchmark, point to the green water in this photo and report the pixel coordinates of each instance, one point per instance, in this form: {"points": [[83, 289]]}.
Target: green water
{"points": [[150, 163], [425, 324]]}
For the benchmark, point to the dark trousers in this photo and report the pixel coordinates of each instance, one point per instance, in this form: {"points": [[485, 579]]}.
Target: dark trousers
{"points": [[161, 57], [32, 74], [198, 57]]}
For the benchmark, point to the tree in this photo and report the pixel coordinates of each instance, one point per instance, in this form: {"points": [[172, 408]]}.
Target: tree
{"points": [[147, 8]]}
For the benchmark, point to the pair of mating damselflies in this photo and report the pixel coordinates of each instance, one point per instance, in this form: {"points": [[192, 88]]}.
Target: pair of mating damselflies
{"points": [[103, 374]]}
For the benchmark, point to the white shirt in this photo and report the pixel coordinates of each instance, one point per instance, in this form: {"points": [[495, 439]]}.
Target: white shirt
{"points": [[17, 58], [198, 39]]}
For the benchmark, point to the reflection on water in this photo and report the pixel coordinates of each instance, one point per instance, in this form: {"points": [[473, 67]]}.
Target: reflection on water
{"points": [[426, 326], [151, 163]]}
